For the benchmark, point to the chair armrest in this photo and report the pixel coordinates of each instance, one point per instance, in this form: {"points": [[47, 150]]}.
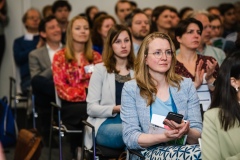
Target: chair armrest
{"points": [[136, 152], [55, 105], [88, 124]]}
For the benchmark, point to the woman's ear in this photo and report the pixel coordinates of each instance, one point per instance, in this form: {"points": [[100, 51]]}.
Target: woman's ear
{"points": [[43, 34], [146, 62], [179, 39], [234, 82]]}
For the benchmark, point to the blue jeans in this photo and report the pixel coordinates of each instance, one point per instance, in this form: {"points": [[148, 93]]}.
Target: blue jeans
{"points": [[110, 133]]}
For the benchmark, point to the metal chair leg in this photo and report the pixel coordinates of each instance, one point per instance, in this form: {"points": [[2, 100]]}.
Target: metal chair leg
{"points": [[59, 135], [50, 137]]}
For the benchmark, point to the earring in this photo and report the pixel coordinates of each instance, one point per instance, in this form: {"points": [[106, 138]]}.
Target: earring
{"points": [[237, 89]]}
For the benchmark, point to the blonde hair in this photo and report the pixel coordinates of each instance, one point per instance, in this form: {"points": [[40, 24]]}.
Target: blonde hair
{"points": [[69, 52], [143, 78]]}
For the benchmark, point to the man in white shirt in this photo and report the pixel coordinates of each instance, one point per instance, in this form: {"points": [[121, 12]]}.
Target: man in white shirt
{"points": [[139, 25], [40, 61]]}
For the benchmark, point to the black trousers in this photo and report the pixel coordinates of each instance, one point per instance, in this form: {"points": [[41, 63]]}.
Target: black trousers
{"points": [[72, 114]]}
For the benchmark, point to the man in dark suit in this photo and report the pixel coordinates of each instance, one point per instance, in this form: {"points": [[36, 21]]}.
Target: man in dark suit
{"points": [[41, 73], [23, 45]]}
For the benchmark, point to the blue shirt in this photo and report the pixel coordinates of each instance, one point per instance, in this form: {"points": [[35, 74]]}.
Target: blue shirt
{"points": [[161, 108]]}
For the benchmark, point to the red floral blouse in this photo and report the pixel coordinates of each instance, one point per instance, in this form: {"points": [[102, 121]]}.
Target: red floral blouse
{"points": [[70, 79], [181, 70]]}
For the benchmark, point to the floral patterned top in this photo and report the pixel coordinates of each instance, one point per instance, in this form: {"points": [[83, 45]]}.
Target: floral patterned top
{"points": [[70, 79], [181, 70]]}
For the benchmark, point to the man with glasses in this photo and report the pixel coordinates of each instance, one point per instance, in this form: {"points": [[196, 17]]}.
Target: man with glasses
{"points": [[203, 48], [25, 44]]}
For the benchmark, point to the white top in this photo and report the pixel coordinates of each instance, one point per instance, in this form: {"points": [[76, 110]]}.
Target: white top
{"points": [[51, 52]]}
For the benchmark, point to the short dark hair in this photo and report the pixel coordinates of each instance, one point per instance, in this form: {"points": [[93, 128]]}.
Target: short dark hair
{"points": [[214, 17], [61, 3], [224, 7], [42, 24], [183, 24], [133, 4], [129, 17]]}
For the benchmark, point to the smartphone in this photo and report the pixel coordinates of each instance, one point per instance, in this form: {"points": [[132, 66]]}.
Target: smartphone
{"points": [[175, 117]]}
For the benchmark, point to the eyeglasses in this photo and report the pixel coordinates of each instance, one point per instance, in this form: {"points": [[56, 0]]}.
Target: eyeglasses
{"points": [[159, 54], [216, 27], [33, 18]]}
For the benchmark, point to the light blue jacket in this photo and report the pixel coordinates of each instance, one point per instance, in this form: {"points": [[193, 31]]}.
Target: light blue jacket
{"points": [[135, 113]]}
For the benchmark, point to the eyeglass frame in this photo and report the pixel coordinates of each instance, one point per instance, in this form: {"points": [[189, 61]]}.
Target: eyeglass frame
{"points": [[161, 54]]}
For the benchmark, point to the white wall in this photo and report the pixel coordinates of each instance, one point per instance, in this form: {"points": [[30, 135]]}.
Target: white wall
{"points": [[15, 28]]}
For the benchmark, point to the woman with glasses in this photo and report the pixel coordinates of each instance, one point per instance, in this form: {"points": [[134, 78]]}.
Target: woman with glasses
{"points": [[156, 91], [201, 69]]}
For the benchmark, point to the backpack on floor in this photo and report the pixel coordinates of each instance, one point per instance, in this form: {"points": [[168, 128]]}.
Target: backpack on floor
{"points": [[8, 127]]}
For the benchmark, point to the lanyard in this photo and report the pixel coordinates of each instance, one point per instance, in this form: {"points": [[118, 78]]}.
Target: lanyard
{"points": [[174, 108]]}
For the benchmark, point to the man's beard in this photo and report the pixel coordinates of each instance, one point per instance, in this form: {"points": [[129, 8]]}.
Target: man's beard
{"points": [[139, 37]]}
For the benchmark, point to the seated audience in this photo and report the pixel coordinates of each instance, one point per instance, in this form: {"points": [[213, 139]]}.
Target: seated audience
{"points": [[216, 35], [90, 12], [174, 17], [23, 45], [157, 90], [227, 11], [201, 69], [40, 61], [161, 19], [213, 10], [134, 5], [105, 88], [204, 48], [100, 30], [47, 11], [185, 12], [72, 68], [220, 137], [148, 12], [61, 10]]}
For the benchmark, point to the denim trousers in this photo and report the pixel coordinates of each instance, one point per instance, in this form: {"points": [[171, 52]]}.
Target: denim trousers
{"points": [[110, 133]]}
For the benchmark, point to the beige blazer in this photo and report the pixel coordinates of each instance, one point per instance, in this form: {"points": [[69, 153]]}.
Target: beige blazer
{"points": [[100, 99], [216, 143], [39, 62]]}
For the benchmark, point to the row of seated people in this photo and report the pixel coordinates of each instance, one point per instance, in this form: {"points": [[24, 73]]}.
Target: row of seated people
{"points": [[72, 71], [73, 66], [139, 23]]}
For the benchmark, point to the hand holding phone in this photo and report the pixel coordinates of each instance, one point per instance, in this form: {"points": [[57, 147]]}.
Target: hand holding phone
{"points": [[175, 117]]}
